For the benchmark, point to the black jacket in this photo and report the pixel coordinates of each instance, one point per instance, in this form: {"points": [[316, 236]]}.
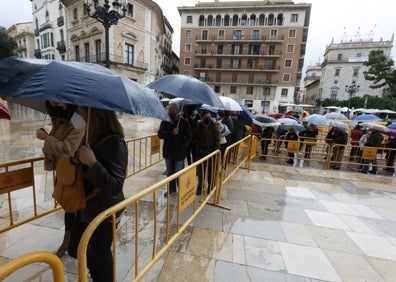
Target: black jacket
{"points": [[175, 146], [107, 174]]}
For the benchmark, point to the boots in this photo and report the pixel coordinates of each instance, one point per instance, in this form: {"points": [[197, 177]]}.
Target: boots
{"points": [[65, 244]]}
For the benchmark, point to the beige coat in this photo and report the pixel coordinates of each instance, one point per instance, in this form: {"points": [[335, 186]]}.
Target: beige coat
{"points": [[63, 139]]}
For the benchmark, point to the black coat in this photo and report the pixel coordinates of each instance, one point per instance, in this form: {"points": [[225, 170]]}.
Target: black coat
{"points": [[175, 146], [108, 175]]}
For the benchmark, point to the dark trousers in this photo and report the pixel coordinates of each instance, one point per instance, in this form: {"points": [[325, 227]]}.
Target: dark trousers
{"points": [[69, 220], [173, 166], [99, 256], [264, 146], [390, 158]]}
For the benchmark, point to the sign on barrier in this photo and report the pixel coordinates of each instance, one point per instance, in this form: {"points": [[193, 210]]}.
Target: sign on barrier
{"points": [[16, 179], [186, 185], [155, 145], [369, 153], [293, 146]]}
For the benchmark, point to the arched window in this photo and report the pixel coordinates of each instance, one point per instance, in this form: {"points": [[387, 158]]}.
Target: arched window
{"points": [[271, 19], [201, 20], [244, 20], [226, 20], [218, 20], [210, 20], [252, 21], [261, 19], [279, 20], [235, 20], [46, 16]]}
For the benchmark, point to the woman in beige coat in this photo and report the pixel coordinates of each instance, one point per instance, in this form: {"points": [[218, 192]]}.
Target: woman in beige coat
{"points": [[62, 139]]}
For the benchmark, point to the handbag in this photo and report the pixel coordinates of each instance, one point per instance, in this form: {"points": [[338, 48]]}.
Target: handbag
{"points": [[69, 186]]}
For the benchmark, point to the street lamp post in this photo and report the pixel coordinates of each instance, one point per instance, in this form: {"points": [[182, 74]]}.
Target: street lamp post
{"points": [[266, 89], [351, 89], [107, 17]]}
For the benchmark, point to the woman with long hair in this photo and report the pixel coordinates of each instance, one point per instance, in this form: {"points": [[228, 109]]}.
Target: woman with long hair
{"points": [[104, 159]]}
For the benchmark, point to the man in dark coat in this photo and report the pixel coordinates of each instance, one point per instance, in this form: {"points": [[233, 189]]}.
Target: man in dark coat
{"points": [[177, 138], [206, 139], [374, 140]]}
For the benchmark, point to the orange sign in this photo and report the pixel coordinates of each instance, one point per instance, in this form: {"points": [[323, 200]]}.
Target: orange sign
{"points": [[293, 146], [16, 179], [186, 185], [369, 153], [155, 145]]}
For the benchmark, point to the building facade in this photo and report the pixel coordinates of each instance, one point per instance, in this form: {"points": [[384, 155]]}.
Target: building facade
{"points": [[23, 33], [252, 51], [49, 29], [140, 43], [343, 64], [311, 85]]}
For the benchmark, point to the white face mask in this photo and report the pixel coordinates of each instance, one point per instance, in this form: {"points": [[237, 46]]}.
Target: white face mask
{"points": [[78, 121]]}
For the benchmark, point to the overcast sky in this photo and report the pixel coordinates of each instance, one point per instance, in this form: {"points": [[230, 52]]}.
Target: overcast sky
{"points": [[329, 19]]}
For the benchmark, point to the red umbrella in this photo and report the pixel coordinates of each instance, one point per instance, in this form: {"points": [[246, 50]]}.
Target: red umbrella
{"points": [[4, 112]]}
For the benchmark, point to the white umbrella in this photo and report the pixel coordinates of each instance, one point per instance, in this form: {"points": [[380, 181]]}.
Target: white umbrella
{"points": [[335, 116], [230, 104], [287, 121], [375, 126]]}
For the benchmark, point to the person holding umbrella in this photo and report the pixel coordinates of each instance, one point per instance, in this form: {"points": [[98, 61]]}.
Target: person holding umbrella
{"points": [[177, 137], [103, 157], [63, 138]]}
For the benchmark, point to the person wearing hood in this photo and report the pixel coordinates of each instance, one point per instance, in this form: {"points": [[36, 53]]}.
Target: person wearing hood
{"points": [[63, 138], [176, 134]]}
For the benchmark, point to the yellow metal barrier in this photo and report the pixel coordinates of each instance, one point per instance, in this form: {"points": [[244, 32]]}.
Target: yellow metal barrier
{"points": [[238, 154], [37, 257], [158, 224], [146, 151], [19, 175]]}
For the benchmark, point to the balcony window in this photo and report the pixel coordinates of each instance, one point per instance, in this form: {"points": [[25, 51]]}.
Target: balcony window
{"points": [[189, 19], [294, 18], [129, 55]]}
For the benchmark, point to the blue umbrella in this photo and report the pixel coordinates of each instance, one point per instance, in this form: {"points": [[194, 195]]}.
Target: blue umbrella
{"points": [[392, 126], [31, 82], [187, 87], [246, 115], [316, 119], [367, 117]]}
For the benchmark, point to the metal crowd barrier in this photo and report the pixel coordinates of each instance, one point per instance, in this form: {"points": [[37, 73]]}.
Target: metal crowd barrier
{"points": [[18, 175], [322, 152], [212, 170], [144, 152], [310, 149], [37, 257], [147, 212]]}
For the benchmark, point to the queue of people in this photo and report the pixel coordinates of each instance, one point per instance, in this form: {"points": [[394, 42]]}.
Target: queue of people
{"points": [[194, 136], [337, 139]]}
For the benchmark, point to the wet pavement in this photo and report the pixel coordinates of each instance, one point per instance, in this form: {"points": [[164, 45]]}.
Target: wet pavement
{"points": [[285, 224]]}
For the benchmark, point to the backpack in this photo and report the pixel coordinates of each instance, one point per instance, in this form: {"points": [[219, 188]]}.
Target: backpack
{"points": [[69, 186]]}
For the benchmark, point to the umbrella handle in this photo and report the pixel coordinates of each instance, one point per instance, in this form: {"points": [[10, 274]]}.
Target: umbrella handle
{"points": [[87, 126]]}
